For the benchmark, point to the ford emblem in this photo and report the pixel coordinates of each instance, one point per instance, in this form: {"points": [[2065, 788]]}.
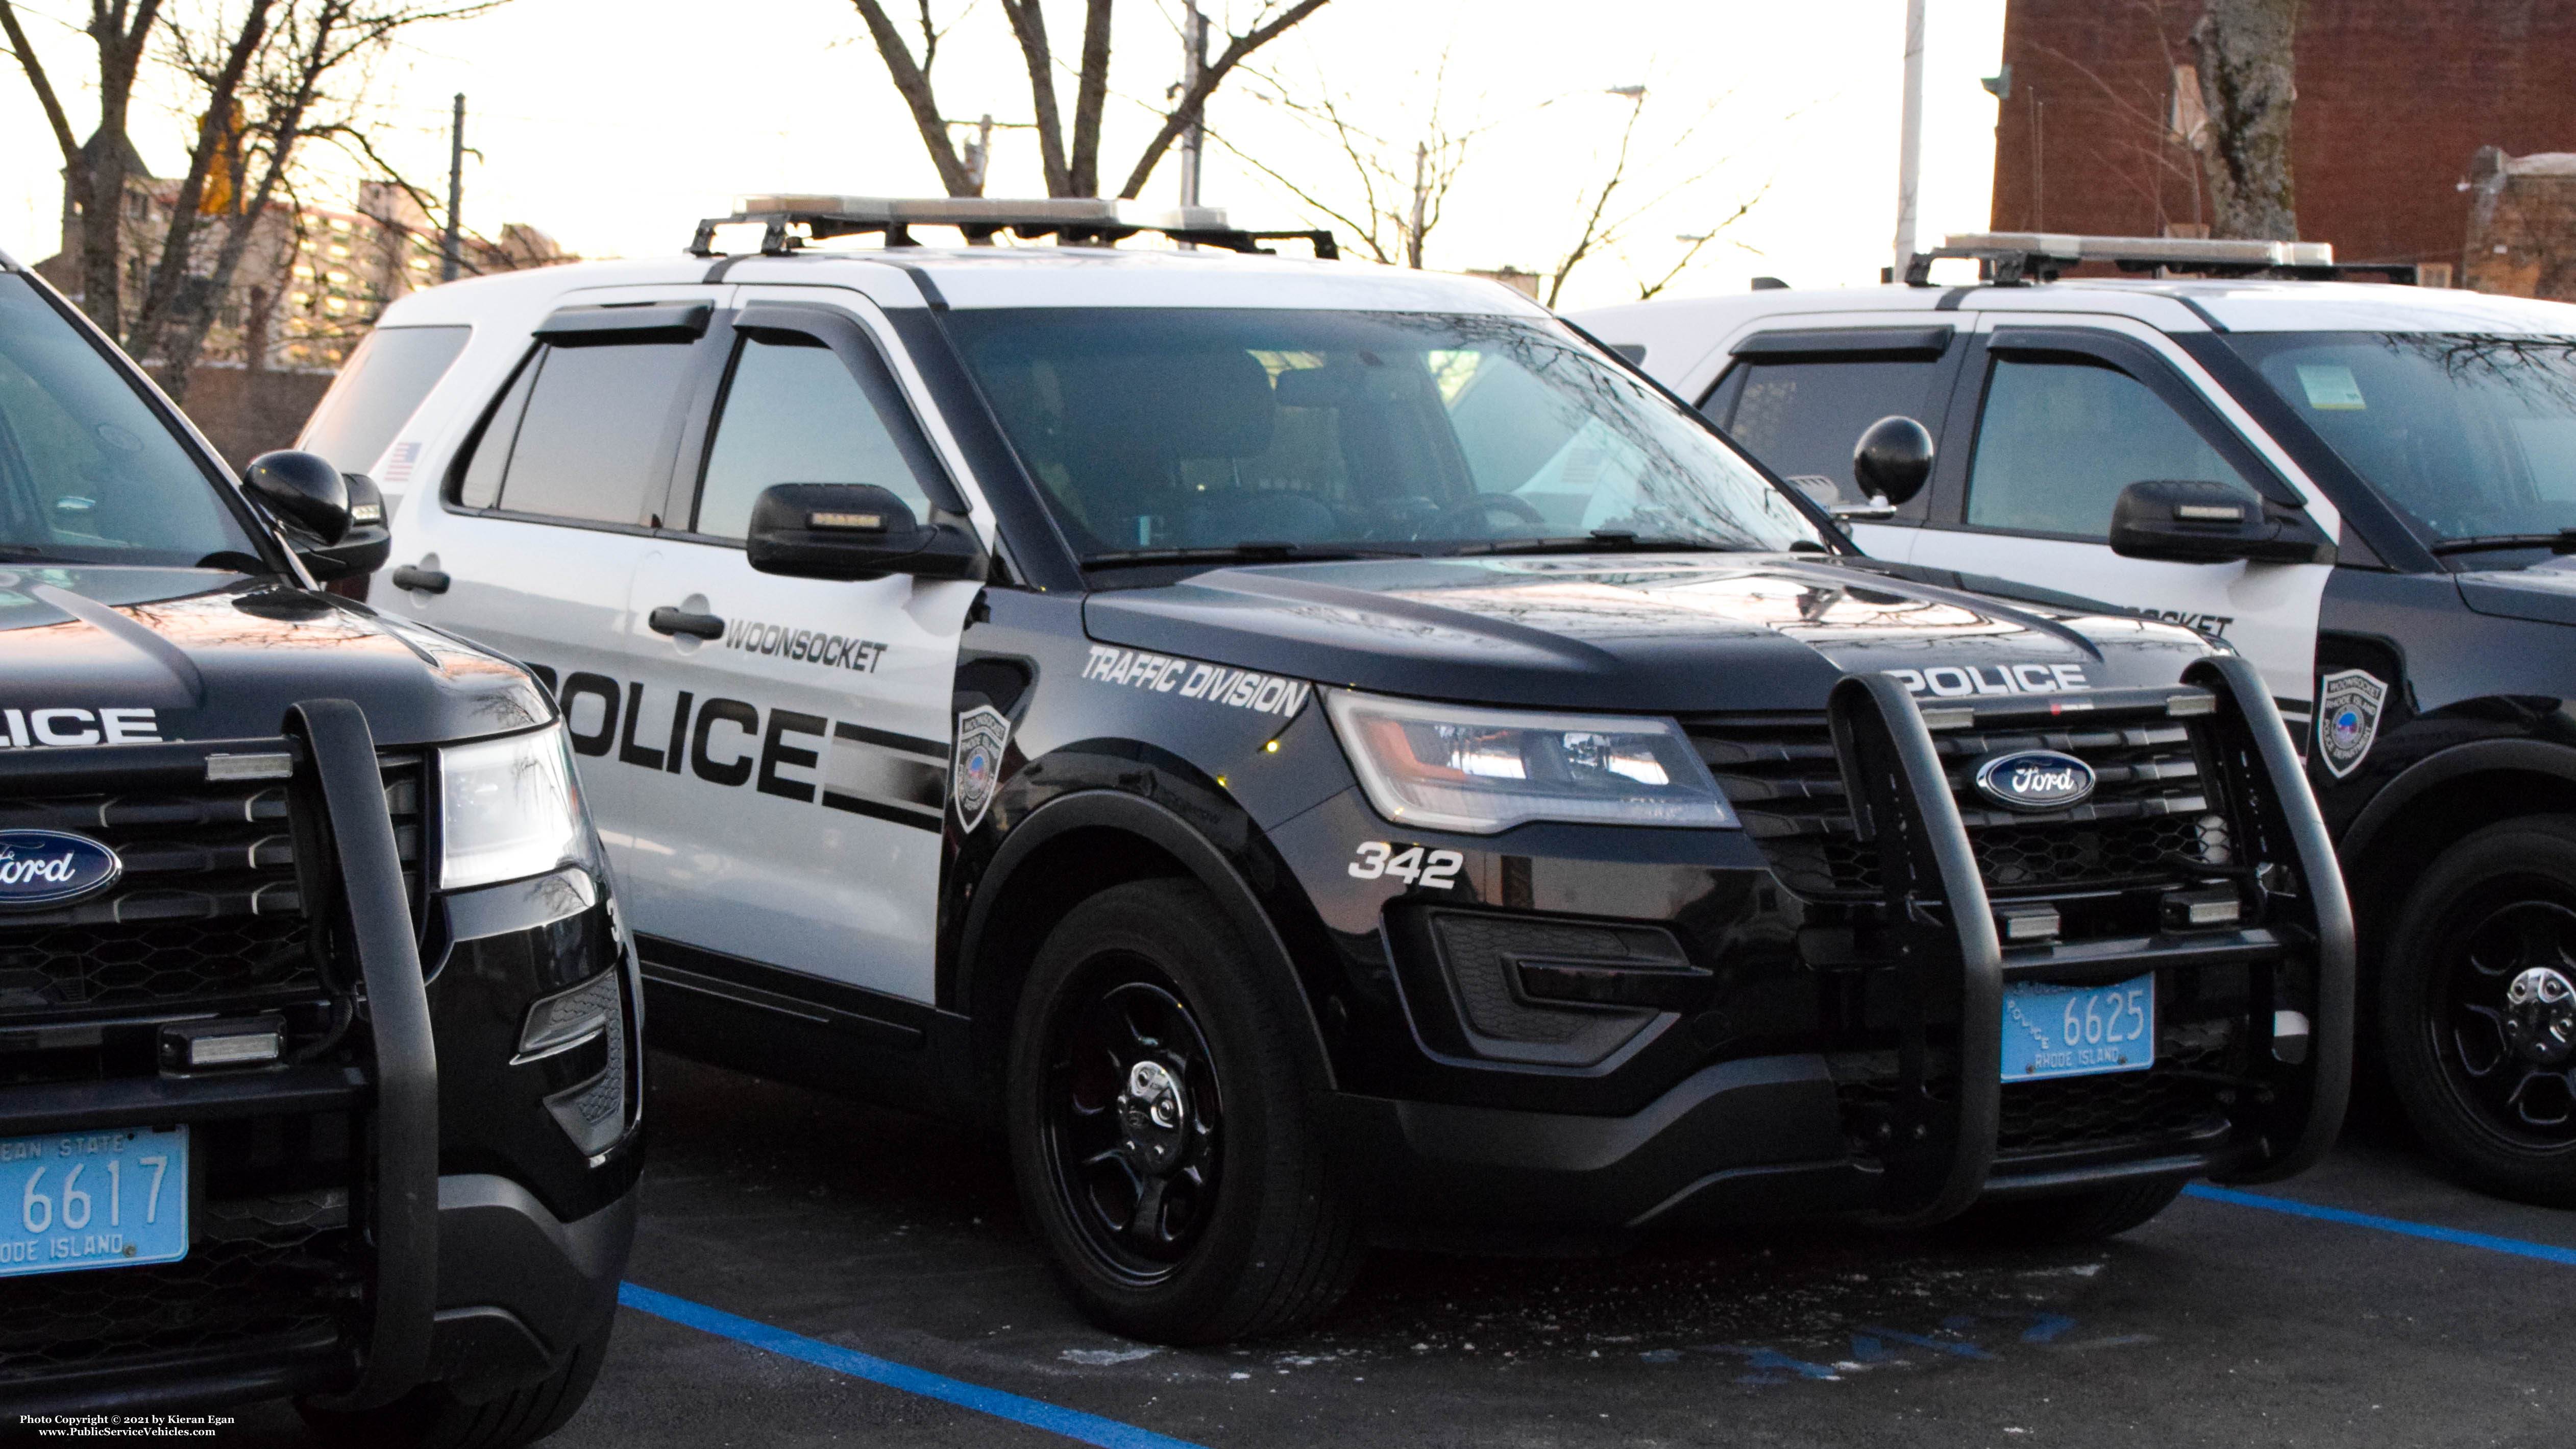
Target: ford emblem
{"points": [[2034, 780], [49, 867]]}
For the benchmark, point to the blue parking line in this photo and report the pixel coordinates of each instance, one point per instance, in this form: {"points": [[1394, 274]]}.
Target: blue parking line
{"points": [[2455, 1236], [1071, 1423]]}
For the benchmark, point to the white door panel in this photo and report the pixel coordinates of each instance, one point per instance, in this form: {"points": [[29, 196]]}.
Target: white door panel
{"points": [[1891, 542], [2268, 611]]}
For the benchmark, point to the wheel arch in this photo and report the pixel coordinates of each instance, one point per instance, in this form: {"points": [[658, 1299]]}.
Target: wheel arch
{"points": [[1069, 849], [2414, 818]]}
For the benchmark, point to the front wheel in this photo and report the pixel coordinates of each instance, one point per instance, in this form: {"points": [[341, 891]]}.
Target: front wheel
{"points": [[1158, 1128], [2477, 1006]]}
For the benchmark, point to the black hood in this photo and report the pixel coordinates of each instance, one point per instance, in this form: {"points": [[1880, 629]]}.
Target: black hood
{"points": [[1656, 633], [84, 652]]}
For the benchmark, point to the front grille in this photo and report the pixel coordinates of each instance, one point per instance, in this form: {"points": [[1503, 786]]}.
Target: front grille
{"points": [[2173, 1098], [207, 914], [267, 1274], [2154, 812]]}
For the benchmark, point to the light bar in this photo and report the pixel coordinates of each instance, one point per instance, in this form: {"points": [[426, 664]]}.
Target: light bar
{"points": [[986, 211], [2164, 250]]}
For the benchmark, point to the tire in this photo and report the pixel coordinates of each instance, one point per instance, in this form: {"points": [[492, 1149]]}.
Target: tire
{"points": [[1158, 1126], [2477, 1008], [2076, 1217], [432, 1417]]}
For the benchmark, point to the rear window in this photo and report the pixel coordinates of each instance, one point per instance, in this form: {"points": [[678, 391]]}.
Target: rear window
{"points": [[1803, 418], [584, 434], [394, 369]]}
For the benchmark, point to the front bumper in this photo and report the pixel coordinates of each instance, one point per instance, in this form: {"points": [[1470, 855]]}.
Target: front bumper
{"points": [[1895, 1126]]}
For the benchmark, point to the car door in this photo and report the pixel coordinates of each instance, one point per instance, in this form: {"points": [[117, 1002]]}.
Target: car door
{"points": [[2051, 423], [550, 506], [795, 742], [1798, 397]]}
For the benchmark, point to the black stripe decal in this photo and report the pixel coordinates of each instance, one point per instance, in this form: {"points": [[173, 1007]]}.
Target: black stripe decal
{"points": [[909, 744], [879, 810]]}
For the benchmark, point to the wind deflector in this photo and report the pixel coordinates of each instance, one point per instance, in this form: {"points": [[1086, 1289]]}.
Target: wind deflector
{"points": [[1925, 342], [620, 324]]}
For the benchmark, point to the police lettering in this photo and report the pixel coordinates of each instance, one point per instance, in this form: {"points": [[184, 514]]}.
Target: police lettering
{"points": [[806, 646], [58, 727], [1952, 680], [1190, 679]]}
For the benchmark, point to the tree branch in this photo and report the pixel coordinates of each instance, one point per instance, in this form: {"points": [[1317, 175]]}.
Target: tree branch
{"points": [[1184, 115], [1089, 97], [1028, 24], [912, 81]]}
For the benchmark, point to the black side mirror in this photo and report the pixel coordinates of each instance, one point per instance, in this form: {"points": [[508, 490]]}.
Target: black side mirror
{"points": [[304, 490], [2197, 521], [368, 543], [854, 531], [1893, 459]]}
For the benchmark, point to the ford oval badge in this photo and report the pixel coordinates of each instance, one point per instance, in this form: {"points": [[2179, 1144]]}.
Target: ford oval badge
{"points": [[2035, 780], [49, 867]]}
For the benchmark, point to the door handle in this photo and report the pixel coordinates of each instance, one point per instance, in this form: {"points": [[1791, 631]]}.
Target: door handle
{"points": [[427, 581], [668, 620]]}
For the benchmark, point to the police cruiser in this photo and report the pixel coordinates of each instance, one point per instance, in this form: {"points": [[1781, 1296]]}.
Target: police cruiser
{"points": [[1315, 751], [318, 1041], [2368, 490]]}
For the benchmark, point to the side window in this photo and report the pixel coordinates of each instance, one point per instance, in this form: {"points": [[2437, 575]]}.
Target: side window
{"points": [[2060, 439], [584, 433], [794, 414], [1802, 418]]}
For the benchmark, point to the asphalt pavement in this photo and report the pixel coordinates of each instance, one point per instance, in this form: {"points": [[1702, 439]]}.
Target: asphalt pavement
{"points": [[812, 1271]]}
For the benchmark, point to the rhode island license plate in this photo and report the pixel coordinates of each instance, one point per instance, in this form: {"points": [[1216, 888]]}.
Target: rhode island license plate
{"points": [[108, 1199], [2075, 1031]]}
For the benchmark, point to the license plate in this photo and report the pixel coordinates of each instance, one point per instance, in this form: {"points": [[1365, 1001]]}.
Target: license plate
{"points": [[2077, 1031], [108, 1199]]}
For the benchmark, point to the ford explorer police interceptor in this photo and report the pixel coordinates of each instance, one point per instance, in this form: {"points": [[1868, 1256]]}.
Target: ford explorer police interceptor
{"points": [[1314, 749], [2369, 490], [318, 1043]]}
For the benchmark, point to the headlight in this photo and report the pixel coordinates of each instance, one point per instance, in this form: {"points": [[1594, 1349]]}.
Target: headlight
{"points": [[509, 809], [1477, 771]]}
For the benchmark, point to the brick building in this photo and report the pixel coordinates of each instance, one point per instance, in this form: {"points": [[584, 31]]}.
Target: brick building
{"points": [[2395, 99]]}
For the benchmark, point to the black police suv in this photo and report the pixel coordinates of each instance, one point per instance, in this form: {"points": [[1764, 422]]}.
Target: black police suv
{"points": [[1316, 750], [317, 1028]]}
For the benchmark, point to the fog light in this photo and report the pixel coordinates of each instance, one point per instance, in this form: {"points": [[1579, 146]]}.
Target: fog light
{"points": [[2202, 909], [193, 1046]]}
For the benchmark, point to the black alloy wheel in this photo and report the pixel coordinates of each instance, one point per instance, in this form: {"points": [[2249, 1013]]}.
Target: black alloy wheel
{"points": [[1133, 1119], [1160, 1132], [2478, 1008]]}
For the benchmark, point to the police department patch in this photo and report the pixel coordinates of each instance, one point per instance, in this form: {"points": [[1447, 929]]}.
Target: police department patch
{"points": [[2348, 703], [981, 734]]}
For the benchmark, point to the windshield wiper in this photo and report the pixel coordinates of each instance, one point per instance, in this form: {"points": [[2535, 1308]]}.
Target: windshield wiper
{"points": [[10, 554], [1256, 551], [2563, 541], [1608, 540]]}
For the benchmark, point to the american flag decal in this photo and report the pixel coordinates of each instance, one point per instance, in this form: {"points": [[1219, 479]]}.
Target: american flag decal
{"points": [[398, 462]]}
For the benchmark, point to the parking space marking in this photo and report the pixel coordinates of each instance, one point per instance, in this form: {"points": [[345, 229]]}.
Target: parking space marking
{"points": [[2458, 1237], [1037, 1414]]}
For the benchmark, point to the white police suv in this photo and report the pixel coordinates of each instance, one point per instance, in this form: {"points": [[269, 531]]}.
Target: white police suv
{"points": [[1315, 748], [2368, 490]]}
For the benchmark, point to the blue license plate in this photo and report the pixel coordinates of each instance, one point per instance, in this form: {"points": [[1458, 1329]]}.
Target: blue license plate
{"points": [[107, 1199], [2077, 1031]]}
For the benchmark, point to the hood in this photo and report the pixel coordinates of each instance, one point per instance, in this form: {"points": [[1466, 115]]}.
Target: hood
{"points": [[1656, 633], [119, 655], [2545, 592]]}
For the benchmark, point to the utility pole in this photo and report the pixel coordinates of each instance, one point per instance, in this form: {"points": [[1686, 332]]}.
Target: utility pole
{"points": [[451, 255], [1193, 64], [1413, 234], [1909, 148]]}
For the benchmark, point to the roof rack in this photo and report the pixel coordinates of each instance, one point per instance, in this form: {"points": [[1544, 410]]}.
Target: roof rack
{"points": [[1076, 220], [2018, 258]]}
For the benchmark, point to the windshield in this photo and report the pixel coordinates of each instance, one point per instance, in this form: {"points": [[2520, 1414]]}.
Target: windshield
{"points": [[2472, 436], [88, 472], [1198, 428]]}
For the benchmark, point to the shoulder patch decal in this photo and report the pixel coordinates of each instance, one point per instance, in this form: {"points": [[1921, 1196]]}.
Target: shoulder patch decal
{"points": [[981, 734], [2348, 705]]}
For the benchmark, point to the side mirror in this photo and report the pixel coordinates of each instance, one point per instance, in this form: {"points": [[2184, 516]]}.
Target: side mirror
{"points": [[1893, 459], [854, 531], [304, 490], [368, 543], [2197, 521]]}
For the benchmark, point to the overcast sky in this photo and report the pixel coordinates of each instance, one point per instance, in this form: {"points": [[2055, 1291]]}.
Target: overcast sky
{"points": [[615, 124]]}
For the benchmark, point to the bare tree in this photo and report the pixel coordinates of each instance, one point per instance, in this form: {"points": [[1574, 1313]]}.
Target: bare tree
{"points": [[95, 171], [1401, 183], [2248, 84], [1071, 165], [1608, 211]]}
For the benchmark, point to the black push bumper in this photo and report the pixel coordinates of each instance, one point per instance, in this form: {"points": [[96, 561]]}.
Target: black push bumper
{"points": [[1774, 1137]]}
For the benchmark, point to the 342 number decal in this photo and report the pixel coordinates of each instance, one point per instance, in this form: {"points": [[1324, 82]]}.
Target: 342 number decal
{"points": [[1437, 870]]}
